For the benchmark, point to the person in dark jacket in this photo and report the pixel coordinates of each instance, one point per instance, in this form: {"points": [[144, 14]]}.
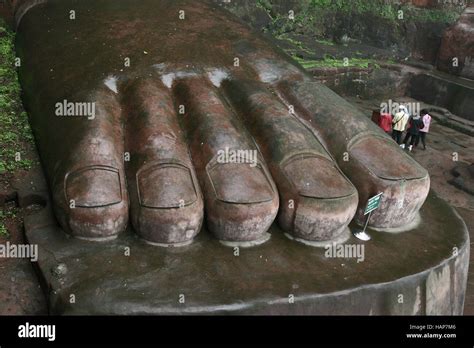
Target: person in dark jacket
{"points": [[413, 132]]}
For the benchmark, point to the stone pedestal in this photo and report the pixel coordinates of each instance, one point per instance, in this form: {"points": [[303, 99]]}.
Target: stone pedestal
{"points": [[421, 271]]}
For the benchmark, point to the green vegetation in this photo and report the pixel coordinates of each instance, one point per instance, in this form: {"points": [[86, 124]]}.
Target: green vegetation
{"points": [[354, 6], [264, 4], [382, 9], [15, 133], [325, 42], [16, 140], [3, 230], [430, 15], [297, 44], [318, 17], [329, 62], [8, 212], [331, 22]]}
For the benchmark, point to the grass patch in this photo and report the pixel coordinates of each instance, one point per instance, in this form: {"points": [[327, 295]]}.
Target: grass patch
{"points": [[15, 132], [296, 43], [16, 138], [329, 62], [3, 230], [299, 44]]}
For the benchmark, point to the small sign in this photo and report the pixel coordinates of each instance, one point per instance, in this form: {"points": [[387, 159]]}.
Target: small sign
{"points": [[373, 203]]}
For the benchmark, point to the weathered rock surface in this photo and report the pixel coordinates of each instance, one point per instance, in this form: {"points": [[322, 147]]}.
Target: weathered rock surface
{"points": [[440, 89], [456, 54], [464, 177]]}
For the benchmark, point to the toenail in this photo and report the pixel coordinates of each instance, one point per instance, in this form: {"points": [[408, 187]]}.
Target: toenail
{"points": [[166, 185], [240, 183], [316, 177], [93, 186], [373, 154]]}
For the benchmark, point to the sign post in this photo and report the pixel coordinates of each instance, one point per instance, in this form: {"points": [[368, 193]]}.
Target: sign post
{"points": [[372, 204]]}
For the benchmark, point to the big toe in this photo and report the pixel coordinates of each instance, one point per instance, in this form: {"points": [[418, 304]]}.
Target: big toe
{"points": [[96, 206]]}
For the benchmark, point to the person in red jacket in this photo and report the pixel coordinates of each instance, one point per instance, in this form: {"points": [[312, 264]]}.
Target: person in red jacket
{"points": [[385, 122]]}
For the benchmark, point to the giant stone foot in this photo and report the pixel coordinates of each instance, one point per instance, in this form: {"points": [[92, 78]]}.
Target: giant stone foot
{"points": [[169, 113]]}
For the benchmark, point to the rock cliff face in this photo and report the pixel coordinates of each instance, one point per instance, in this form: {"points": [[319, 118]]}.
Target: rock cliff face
{"points": [[417, 35], [5, 11], [427, 3], [12, 10], [457, 47]]}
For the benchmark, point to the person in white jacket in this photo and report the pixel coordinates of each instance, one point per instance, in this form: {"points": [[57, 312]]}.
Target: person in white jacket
{"points": [[399, 124]]}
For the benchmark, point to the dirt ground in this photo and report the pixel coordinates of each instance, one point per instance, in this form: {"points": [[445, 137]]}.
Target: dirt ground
{"points": [[438, 159], [20, 291]]}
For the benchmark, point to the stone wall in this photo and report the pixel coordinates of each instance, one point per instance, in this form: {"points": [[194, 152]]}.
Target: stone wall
{"points": [[367, 83], [456, 54], [447, 91]]}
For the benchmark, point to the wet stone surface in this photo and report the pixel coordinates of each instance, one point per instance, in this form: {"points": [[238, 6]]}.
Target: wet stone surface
{"points": [[128, 276], [427, 265]]}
